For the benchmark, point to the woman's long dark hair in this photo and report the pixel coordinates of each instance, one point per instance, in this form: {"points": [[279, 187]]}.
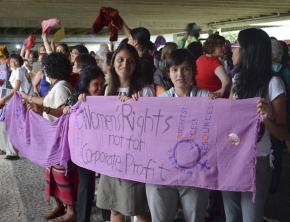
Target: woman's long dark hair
{"points": [[142, 35], [114, 83], [88, 74], [255, 64]]}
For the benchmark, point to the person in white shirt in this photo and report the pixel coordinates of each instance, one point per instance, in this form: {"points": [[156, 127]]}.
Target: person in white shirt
{"points": [[253, 57], [19, 81], [124, 197], [163, 200], [57, 69]]}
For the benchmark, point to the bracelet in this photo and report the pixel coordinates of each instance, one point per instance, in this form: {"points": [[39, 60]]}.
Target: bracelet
{"points": [[46, 109], [29, 99]]}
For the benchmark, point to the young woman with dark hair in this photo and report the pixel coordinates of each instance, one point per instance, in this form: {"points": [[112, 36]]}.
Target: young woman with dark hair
{"points": [[163, 200], [82, 61], [75, 52], [124, 197], [140, 39], [19, 80], [130, 73], [60, 184], [252, 56], [62, 48], [91, 83], [210, 73], [160, 76]]}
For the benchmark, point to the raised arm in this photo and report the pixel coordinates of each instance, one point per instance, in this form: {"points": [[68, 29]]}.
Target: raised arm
{"points": [[126, 30], [46, 43], [52, 45], [22, 52], [27, 52]]}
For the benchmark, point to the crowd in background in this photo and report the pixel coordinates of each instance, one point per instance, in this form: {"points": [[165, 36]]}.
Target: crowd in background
{"points": [[56, 76]]}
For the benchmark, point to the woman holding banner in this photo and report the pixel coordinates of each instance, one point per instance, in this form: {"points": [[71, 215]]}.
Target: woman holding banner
{"points": [[140, 38], [20, 81], [163, 200], [124, 197], [91, 83], [252, 56], [62, 186]]}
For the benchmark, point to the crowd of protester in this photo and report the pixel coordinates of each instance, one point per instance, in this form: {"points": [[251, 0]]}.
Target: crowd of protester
{"points": [[54, 77]]}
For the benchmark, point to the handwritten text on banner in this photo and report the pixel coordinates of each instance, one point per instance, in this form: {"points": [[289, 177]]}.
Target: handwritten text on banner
{"points": [[172, 141]]}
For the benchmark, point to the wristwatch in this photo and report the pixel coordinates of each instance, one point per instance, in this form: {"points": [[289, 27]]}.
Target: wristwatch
{"points": [[29, 99]]}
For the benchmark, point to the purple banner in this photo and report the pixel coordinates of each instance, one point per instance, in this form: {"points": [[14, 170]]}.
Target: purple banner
{"points": [[172, 141], [43, 142]]}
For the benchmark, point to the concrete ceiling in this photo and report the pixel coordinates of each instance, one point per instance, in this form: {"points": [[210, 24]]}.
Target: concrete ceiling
{"points": [[22, 17]]}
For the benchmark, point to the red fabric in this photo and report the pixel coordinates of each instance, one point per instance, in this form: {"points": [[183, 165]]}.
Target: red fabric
{"points": [[108, 17], [205, 76], [29, 42], [48, 24], [61, 186], [74, 79]]}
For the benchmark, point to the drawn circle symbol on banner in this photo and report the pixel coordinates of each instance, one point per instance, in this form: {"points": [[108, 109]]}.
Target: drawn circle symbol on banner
{"points": [[186, 154]]}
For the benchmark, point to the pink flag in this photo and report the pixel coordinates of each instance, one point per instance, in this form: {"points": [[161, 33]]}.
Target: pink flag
{"points": [[29, 42], [48, 24]]}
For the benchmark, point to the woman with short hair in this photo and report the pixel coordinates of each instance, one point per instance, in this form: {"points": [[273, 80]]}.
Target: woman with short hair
{"points": [[210, 73], [60, 184]]}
